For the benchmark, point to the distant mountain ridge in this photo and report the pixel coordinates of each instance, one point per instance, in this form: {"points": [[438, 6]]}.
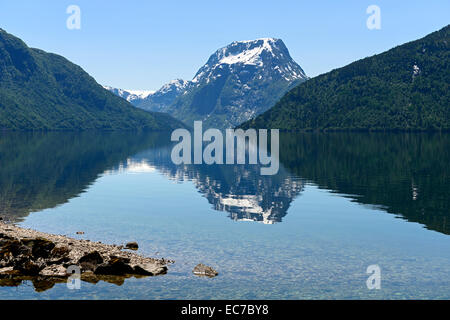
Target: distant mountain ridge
{"points": [[238, 82], [44, 91], [162, 99], [130, 95], [405, 88]]}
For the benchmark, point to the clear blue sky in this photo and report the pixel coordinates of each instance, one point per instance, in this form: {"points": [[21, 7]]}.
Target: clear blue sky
{"points": [[138, 44]]}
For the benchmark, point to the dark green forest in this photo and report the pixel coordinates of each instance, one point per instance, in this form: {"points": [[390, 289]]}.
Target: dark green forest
{"points": [[405, 88], [44, 91]]}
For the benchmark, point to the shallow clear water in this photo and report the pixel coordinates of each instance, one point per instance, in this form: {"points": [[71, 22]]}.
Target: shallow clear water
{"points": [[340, 203]]}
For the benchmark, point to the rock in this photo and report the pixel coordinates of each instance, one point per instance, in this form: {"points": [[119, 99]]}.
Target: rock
{"points": [[92, 257], [29, 268], [90, 261], [4, 236], [165, 261], [42, 284], [149, 269], [10, 282], [122, 259], [54, 271], [60, 252], [40, 247], [43, 258], [132, 246], [6, 270], [90, 277], [94, 278], [202, 270], [12, 250], [115, 266]]}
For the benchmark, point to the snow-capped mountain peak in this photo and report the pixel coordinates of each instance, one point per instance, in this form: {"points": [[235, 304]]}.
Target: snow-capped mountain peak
{"points": [[130, 95], [264, 53], [177, 85], [238, 82], [252, 53], [141, 94]]}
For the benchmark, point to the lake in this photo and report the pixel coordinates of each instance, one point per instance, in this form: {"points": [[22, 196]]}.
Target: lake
{"points": [[340, 203]]}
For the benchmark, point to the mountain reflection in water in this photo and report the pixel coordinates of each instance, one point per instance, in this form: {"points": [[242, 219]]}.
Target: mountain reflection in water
{"points": [[403, 174]]}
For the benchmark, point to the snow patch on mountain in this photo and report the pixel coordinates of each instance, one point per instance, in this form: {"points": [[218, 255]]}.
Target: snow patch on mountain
{"points": [[177, 85], [251, 55], [130, 95], [260, 53], [142, 94]]}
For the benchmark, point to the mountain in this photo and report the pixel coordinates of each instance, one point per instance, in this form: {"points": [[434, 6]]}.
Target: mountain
{"points": [[237, 83], [405, 88], [164, 97], [44, 91], [130, 95]]}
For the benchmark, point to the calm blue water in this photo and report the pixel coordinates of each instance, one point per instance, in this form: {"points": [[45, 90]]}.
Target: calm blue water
{"points": [[340, 203]]}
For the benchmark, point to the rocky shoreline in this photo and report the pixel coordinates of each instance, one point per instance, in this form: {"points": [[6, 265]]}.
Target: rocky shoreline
{"points": [[44, 259]]}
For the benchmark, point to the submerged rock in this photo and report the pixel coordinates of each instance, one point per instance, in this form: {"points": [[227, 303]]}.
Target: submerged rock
{"points": [[205, 271], [148, 269]]}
